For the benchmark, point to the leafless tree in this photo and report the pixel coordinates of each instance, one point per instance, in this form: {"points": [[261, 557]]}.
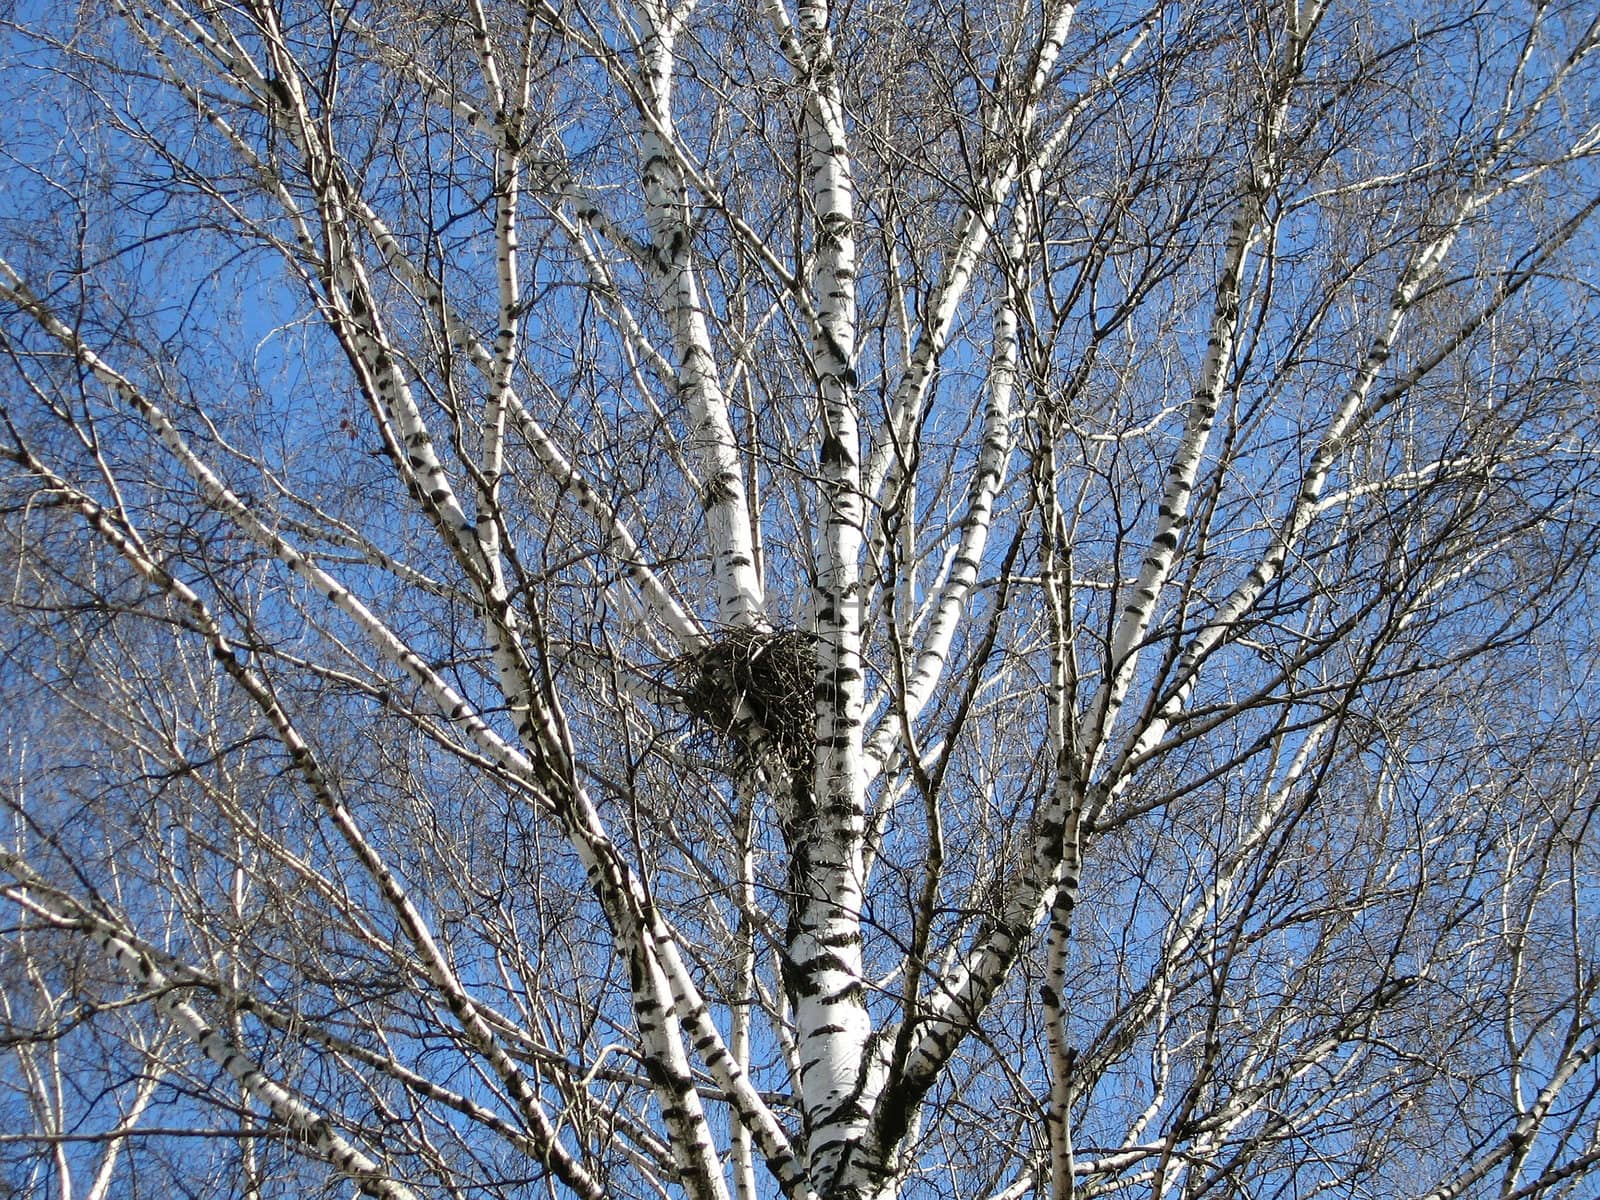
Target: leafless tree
{"points": [[740, 600]]}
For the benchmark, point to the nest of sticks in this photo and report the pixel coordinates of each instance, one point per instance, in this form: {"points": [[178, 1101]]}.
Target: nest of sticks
{"points": [[765, 674]]}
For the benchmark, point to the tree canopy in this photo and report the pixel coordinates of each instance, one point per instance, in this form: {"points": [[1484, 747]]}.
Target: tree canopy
{"points": [[691, 598]]}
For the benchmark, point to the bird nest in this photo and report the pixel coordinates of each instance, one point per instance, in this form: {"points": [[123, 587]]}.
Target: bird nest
{"points": [[756, 688]]}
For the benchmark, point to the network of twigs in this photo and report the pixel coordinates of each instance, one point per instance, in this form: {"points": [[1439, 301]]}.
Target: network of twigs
{"points": [[755, 688]]}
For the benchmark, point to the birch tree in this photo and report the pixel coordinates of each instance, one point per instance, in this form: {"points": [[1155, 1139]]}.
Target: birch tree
{"points": [[803, 599]]}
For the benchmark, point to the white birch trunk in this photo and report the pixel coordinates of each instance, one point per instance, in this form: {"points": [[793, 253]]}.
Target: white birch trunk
{"points": [[825, 948], [740, 599]]}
